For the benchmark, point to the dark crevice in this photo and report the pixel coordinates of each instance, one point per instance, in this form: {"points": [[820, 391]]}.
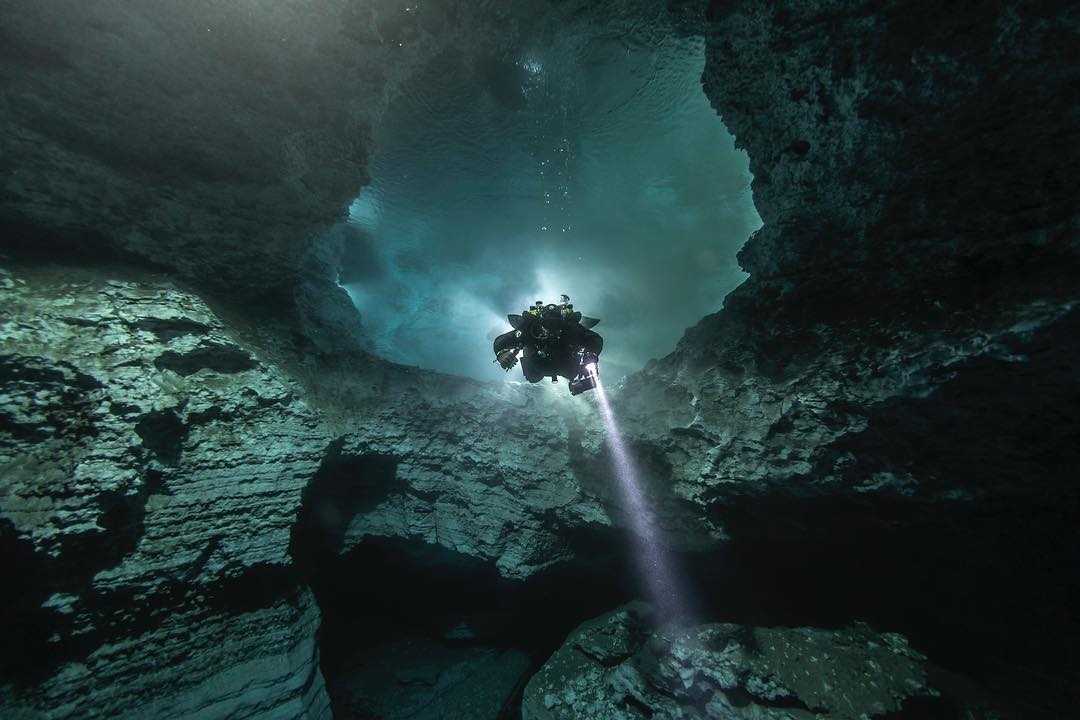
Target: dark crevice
{"points": [[384, 589], [27, 626], [927, 708], [28, 241], [634, 705], [122, 518], [219, 358], [345, 485], [607, 660], [167, 329], [155, 483], [740, 697], [162, 433]]}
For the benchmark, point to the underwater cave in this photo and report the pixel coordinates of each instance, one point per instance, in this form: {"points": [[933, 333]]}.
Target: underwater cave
{"points": [[552, 360]]}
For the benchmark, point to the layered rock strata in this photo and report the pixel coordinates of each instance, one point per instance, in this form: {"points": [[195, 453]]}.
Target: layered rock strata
{"points": [[157, 473], [898, 372], [152, 468]]}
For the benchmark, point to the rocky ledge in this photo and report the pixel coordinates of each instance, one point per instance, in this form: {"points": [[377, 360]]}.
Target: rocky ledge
{"points": [[166, 497], [618, 666]]}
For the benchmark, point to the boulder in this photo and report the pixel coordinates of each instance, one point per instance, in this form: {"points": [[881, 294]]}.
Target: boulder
{"points": [[617, 666]]}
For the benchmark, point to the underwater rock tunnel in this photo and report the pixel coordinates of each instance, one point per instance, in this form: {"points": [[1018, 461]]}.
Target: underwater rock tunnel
{"points": [[218, 498]]}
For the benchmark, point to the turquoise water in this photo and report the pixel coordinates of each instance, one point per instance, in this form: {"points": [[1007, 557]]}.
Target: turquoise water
{"points": [[587, 163]]}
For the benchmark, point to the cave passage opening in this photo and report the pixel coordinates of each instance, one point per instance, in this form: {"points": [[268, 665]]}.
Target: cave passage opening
{"points": [[408, 624], [584, 159]]}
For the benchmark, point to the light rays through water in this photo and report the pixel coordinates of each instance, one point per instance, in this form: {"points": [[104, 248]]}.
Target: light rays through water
{"points": [[654, 562]]}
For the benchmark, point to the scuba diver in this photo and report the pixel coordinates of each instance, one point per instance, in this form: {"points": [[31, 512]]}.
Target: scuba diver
{"points": [[553, 340]]}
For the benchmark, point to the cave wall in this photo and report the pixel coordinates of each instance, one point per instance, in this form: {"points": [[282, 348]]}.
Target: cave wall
{"points": [[903, 291], [156, 469], [151, 471], [900, 364], [885, 260], [217, 141], [895, 384]]}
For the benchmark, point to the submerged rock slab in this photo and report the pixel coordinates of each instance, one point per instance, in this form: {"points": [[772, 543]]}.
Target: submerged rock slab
{"points": [[616, 667]]}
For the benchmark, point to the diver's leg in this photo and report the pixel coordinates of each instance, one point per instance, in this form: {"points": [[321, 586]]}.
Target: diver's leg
{"points": [[531, 369], [569, 368], [592, 341]]}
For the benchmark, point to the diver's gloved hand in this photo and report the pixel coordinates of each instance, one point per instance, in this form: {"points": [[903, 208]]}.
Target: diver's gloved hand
{"points": [[507, 358]]}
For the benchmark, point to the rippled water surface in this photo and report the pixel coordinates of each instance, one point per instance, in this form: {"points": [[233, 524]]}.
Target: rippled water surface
{"points": [[584, 160]]}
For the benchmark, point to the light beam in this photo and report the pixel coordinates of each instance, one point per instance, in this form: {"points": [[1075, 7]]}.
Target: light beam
{"points": [[654, 562]]}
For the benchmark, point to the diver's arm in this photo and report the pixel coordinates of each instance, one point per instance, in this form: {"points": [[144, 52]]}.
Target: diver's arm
{"points": [[506, 349], [507, 341]]}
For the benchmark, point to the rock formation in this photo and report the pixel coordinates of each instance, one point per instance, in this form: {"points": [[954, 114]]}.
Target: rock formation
{"points": [[158, 475], [616, 666], [152, 470], [889, 399], [884, 417]]}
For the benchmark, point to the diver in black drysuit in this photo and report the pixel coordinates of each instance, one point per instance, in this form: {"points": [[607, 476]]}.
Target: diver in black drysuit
{"points": [[553, 340]]}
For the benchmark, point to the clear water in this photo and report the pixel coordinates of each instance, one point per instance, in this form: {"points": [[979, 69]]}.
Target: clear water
{"points": [[588, 163]]}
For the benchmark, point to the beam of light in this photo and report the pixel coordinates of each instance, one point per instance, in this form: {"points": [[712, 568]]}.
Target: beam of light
{"points": [[651, 553]]}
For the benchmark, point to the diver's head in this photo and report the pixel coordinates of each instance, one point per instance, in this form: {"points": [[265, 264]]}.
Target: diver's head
{"points": [[564, 299]]}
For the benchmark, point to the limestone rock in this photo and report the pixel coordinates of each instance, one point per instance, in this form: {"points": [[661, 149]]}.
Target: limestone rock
{"points": [[154, 468], [217, 141], [151, 471], [898, 371], [910, 261], [615, 667]]}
